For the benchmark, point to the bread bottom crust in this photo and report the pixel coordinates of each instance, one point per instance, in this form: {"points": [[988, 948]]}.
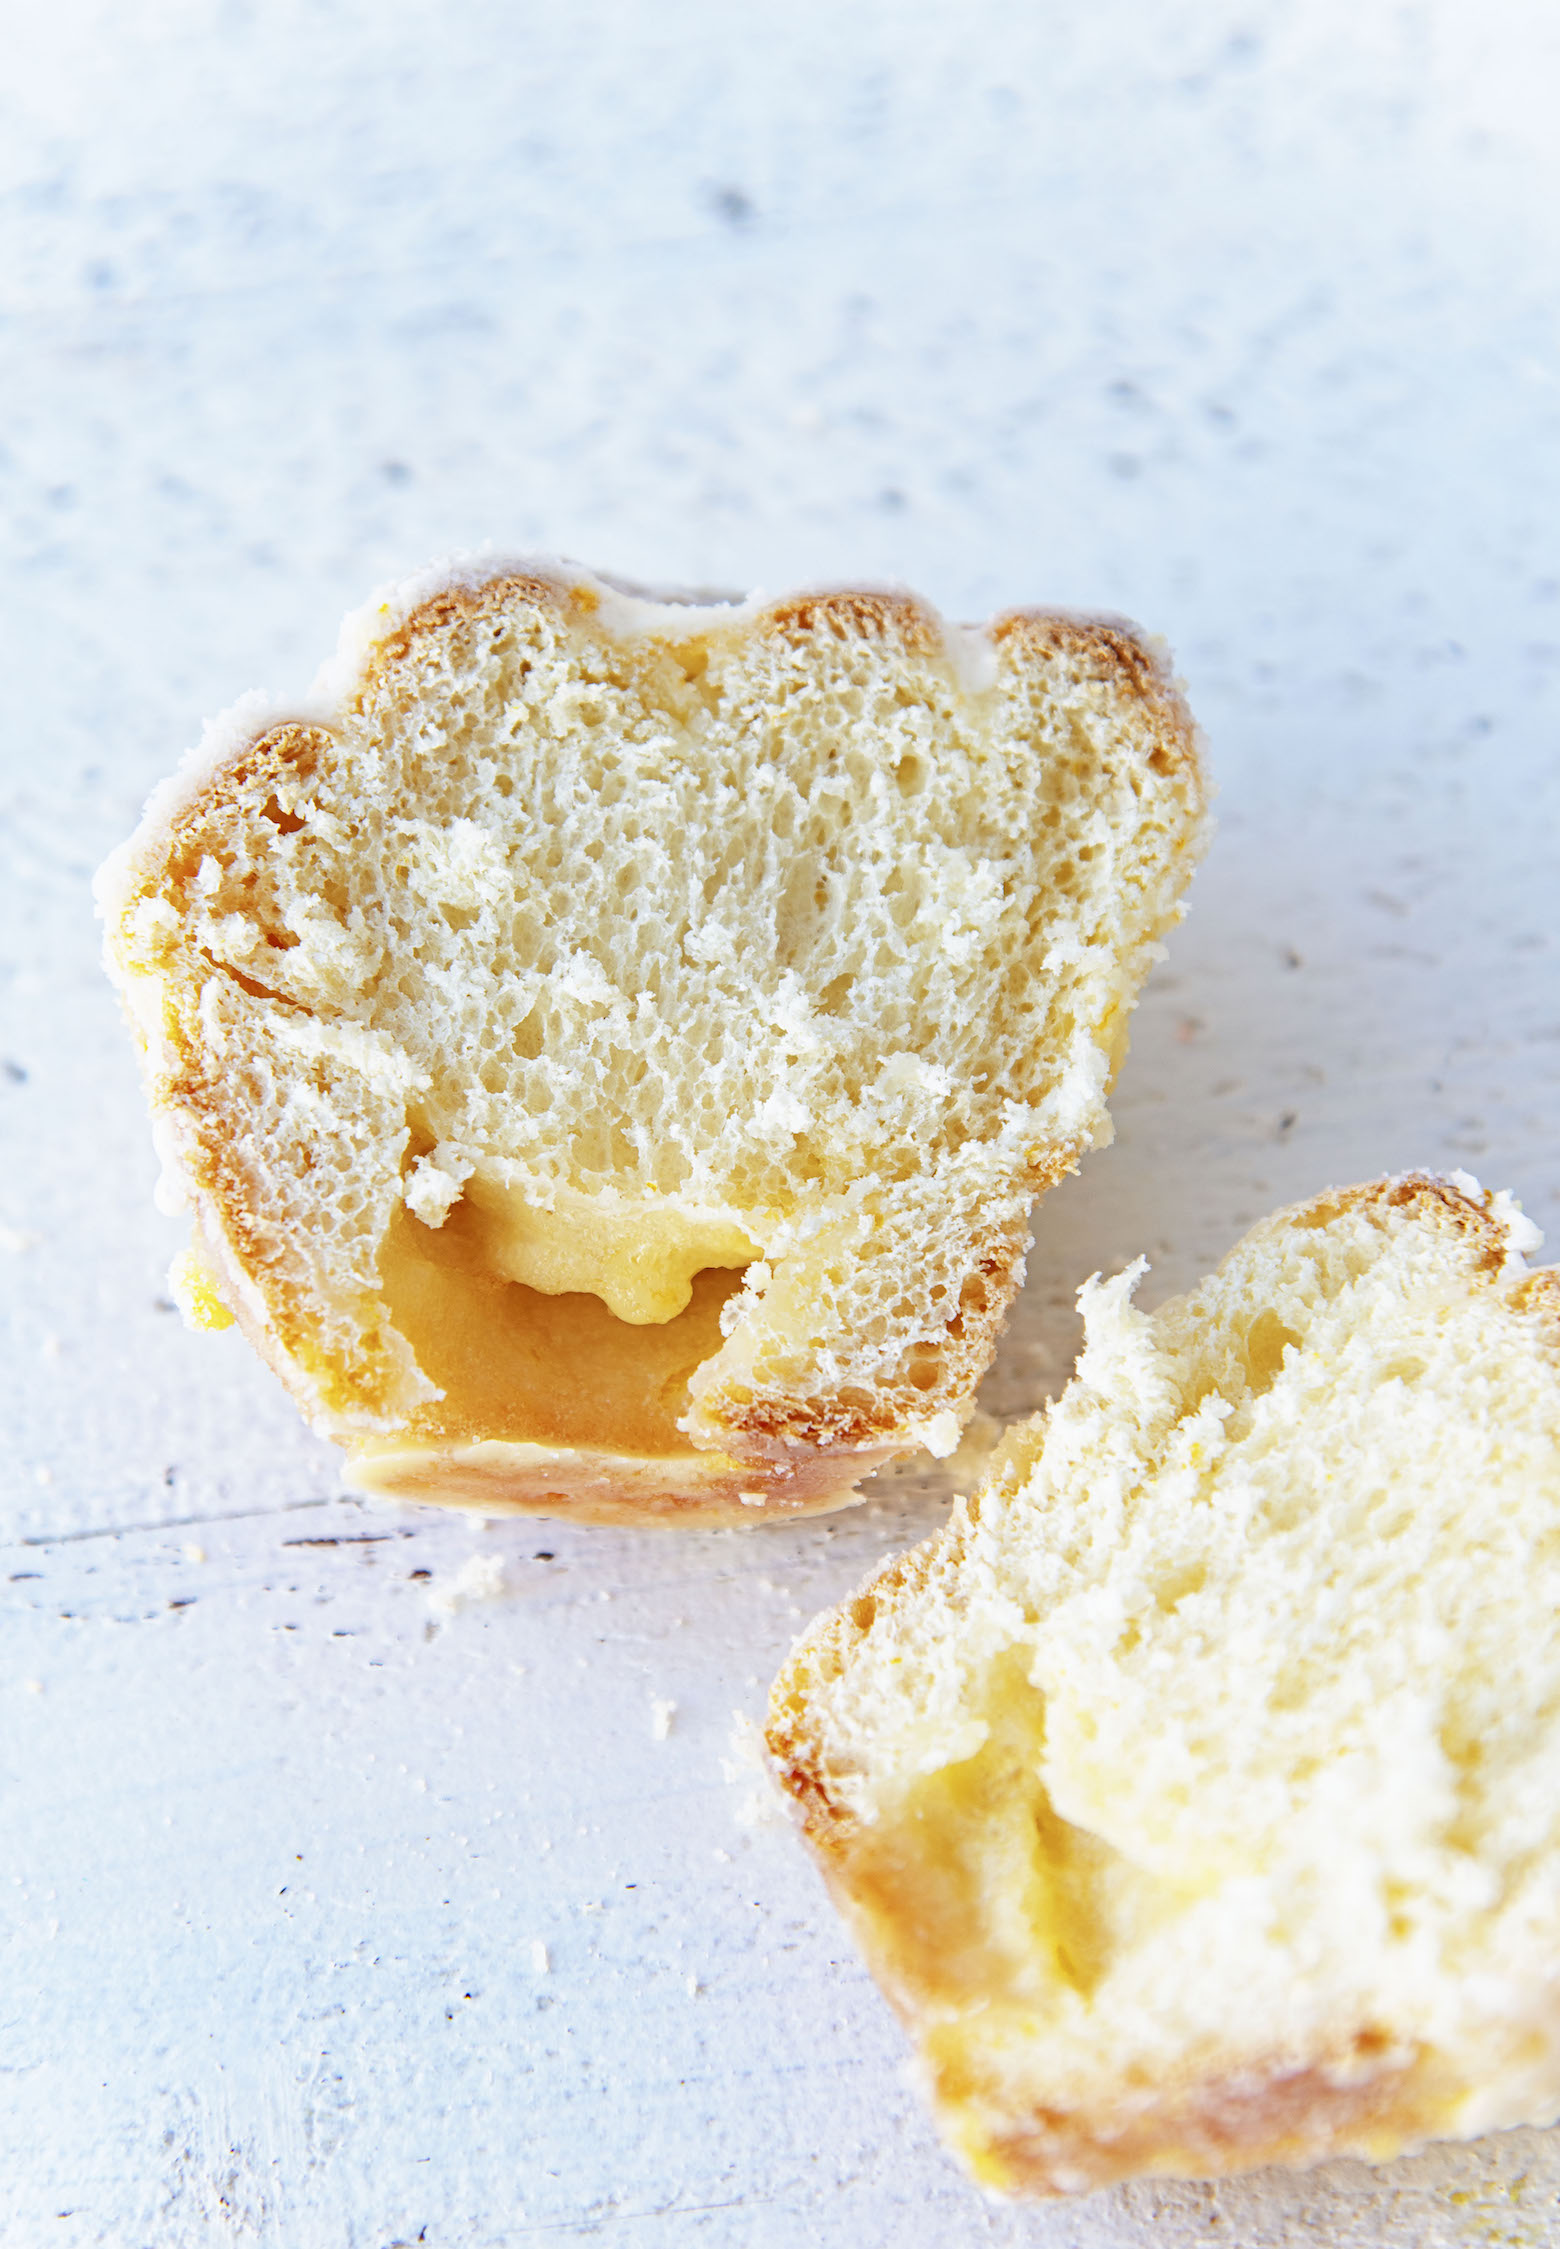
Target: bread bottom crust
{"points": [[1369, 2101], [499, 1477]]}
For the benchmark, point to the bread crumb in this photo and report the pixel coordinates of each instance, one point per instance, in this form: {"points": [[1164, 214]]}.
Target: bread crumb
{"points": [[479, 1579], [661, 1715], [432, 1190], [939, 1433], [541, 1965], [192, 1552]]}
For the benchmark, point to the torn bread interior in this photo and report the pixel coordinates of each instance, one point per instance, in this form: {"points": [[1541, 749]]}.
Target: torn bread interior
{"points": [[1194, 1794]]}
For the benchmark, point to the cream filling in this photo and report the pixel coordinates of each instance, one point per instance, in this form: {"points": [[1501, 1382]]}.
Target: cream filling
{"points": [[639, 1258]]}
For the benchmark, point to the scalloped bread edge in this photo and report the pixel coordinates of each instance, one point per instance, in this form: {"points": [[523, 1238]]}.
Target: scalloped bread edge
{"points": [[768, 1471]]}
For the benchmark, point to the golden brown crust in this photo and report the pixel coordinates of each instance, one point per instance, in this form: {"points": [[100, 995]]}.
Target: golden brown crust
{"points": [[824, 1652], [948, 1360], [291, 751], [1110, 652], [457, 605], [1424, 1195], [1539, 1295], [849, 615]]}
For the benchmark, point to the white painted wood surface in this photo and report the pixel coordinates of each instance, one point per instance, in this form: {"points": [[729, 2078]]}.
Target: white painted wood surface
{"points": [[337, 1913]]}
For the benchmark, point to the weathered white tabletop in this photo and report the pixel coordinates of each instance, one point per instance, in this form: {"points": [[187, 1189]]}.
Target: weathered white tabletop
{"points": [[341, 1906]]}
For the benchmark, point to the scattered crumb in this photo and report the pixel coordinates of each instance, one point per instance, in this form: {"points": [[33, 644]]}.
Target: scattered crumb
{"points": [[192, 1552], [939, 1434], [694, 1987], [15, 1240], [541, 1965], [661, 1715], [33, 1686], [479, 1579], [50, 1347], [43, 1475]]}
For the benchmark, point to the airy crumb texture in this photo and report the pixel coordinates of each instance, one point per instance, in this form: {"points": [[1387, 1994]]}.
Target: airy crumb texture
{"points": [[611, 1046], [1194, 1794]]}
